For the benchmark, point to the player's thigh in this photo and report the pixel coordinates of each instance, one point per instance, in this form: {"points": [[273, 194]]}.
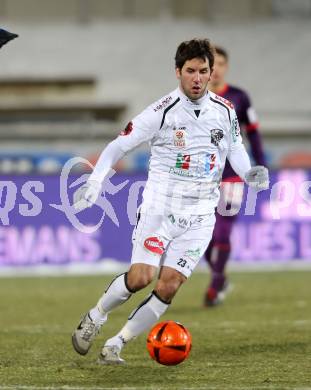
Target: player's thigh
{"points": [[184, 252], [149, 239]]}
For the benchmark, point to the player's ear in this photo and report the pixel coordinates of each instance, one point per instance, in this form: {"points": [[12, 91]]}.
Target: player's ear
{"points": [[178, 73]]}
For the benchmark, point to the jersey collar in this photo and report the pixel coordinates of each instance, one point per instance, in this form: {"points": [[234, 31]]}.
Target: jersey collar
{"points": [[194, 104]]}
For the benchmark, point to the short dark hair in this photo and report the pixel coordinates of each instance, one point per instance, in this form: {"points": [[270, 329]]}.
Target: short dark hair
{"points": [[195, 48], [221, 52]]}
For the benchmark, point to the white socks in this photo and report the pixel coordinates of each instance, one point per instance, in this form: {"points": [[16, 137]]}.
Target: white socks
{"points": [[141, 319], [116, 294]]}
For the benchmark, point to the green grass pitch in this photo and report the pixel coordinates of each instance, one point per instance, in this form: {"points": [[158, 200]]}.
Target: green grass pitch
{"points": [[259, 339]]}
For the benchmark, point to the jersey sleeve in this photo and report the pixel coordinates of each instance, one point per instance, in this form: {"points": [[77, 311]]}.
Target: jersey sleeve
{"points": [[143, 128], [235, 139], [237, 154]]}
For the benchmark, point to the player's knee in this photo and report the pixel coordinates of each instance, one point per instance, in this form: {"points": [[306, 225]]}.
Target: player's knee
{"points": [[139, 276]]}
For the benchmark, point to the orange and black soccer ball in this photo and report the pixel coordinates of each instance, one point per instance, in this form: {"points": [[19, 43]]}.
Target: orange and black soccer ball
{"points": [[169, 343]]}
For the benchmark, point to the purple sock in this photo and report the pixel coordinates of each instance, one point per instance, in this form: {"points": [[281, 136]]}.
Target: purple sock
{"points": [[208, 254], [218, 275]]}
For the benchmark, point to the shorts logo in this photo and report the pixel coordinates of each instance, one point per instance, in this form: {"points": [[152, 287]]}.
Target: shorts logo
{"points": [[180, 137], [154, 245], [193, 255], [216, 136], [171, 218], [128, 129]]}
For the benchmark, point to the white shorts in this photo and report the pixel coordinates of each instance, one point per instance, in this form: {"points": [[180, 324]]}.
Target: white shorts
{"points": [[171, 240]]}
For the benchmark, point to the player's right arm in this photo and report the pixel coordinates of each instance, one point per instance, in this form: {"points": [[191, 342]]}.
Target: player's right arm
{"points": [[141, 129]]}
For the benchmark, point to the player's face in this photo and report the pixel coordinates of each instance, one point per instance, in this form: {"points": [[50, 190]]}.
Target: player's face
{"points": [[219, 70], [193, 77]]}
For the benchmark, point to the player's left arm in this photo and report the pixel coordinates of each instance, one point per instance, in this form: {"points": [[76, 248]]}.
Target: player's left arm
{"points": [[249, 120], [256, 177]]}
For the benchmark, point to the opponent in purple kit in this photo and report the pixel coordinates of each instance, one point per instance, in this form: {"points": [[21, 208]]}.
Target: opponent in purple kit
{"points": [[218, 251]]}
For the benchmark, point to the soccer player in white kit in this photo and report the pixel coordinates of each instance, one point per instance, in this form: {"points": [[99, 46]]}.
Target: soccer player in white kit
{"points": [[191, 132]]}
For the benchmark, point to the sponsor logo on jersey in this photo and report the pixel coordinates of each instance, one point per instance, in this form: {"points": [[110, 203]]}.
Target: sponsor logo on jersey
{"points": [[163, 104], [216, 136], [182, 165], [183, 161], [128, 129], [210, 162], [154, 245], [235, 129], [180, 172], [179, 137], [224, 101]]}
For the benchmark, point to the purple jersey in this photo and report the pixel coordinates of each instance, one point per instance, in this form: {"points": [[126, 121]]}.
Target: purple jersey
{"points": [[249, 126]]}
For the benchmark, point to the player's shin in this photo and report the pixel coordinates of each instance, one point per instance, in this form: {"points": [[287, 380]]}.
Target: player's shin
{"points": [[117, 293], [141, 319]]}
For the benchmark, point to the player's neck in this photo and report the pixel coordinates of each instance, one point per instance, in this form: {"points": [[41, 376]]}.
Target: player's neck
{"points": [[219, 89], [189, 101]]}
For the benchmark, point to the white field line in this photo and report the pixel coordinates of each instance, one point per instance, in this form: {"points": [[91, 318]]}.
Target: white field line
{"points": [[31, 329], [268, 387], [111, 266]]}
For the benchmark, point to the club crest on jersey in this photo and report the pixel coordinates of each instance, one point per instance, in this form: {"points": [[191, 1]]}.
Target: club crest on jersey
{"points": [[154, 245], [128, 129], [180, 137], [216, 136]]}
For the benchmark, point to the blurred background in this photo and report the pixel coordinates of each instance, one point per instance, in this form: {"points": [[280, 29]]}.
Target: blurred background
{"points": [[81, 69]]}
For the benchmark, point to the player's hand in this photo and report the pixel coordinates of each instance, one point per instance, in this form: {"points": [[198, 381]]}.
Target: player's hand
{"points": [[258, 178], [86, 195]]}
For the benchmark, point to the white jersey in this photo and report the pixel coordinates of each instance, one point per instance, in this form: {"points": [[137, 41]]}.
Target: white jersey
{"points": [[189, 145]]}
